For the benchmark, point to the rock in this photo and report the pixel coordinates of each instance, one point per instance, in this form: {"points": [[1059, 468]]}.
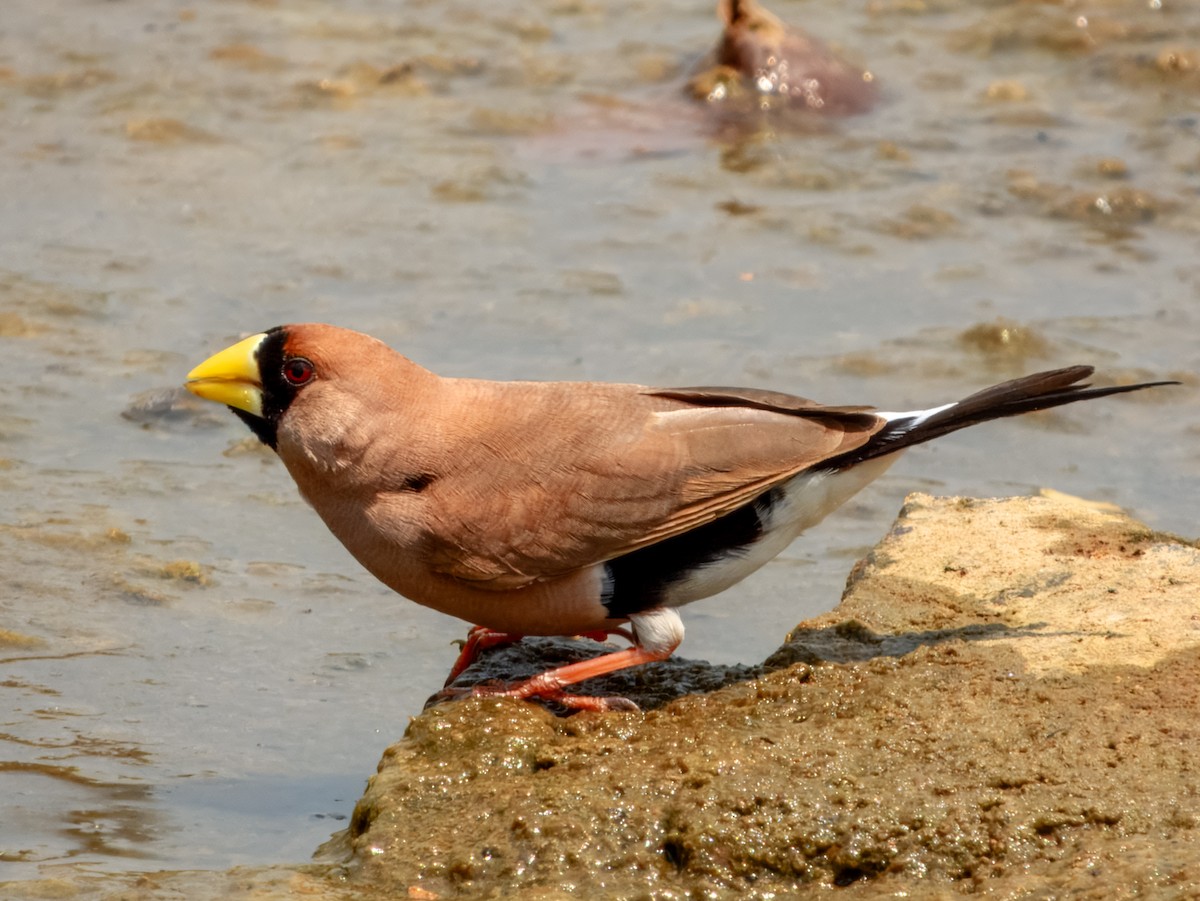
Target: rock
{"points": [[1004, 703], [169, 406]]}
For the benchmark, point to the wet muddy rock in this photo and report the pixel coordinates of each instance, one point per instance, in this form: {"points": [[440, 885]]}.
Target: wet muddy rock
{"points": [[968, 720]]}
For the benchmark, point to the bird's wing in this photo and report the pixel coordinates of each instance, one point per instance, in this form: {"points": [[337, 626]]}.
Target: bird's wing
{"points": [[560, 491]]}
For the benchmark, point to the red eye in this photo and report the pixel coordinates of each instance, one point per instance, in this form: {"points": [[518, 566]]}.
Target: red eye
{"points": [[297, 371]]}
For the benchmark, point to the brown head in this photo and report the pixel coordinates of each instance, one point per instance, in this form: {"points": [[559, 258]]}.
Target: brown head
{"points": [[305, 379]]}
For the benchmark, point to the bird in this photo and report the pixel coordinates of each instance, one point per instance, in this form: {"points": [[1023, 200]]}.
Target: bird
{"points": [[760, 58], [567, 508]]}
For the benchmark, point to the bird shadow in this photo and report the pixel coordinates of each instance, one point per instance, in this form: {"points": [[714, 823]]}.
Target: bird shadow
{"points": [[653, 685]]}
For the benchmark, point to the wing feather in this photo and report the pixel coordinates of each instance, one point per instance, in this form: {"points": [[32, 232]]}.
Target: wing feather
{"points": [[604, 470]]}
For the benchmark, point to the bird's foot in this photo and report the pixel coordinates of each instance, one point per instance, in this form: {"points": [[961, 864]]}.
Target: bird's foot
{"points": [[549, 684], [481, 638], [478, 640]]}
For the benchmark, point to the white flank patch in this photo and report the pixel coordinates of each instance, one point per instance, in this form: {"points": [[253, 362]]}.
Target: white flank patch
{"points": [[807, 499]]}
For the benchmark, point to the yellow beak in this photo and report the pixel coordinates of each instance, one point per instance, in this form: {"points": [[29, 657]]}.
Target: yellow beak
{"points": [[231, 377]]}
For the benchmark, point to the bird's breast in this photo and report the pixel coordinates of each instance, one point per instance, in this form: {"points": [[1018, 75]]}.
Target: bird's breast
{"points": [[390, 535]]}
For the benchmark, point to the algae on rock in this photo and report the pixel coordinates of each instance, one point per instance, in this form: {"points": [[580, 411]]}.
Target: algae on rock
{"points": [[1005, 700]]}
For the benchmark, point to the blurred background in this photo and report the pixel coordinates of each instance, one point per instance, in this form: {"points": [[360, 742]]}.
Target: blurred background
{"points": [[193, 672]]}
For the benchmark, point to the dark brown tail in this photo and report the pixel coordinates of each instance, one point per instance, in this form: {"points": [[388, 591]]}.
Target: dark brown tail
{"points": [[1039, 391]]}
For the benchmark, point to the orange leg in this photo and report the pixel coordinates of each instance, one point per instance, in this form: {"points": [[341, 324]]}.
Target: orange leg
{"points": [[481, 638], [655, 632], [549, 685]]}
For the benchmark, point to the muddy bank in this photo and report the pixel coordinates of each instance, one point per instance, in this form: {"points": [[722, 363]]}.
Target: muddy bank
{"points": [[1004, 704], [1005, 700]]}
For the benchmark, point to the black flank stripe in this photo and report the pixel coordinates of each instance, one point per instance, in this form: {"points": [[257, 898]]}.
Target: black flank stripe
{"points": [[639, 580]]}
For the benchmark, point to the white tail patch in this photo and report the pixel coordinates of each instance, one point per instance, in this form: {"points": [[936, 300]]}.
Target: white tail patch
{"points": [[916, 416]]}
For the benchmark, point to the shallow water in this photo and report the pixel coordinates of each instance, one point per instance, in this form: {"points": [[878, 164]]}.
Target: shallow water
{"points": [[196, 674]]}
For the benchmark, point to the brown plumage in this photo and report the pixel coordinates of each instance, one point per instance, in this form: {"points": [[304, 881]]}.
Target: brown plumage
{"points": [[560, 508], [760, 56]]}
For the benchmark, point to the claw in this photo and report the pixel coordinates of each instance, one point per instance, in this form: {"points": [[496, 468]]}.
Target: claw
{"points": [[478, 640]]}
